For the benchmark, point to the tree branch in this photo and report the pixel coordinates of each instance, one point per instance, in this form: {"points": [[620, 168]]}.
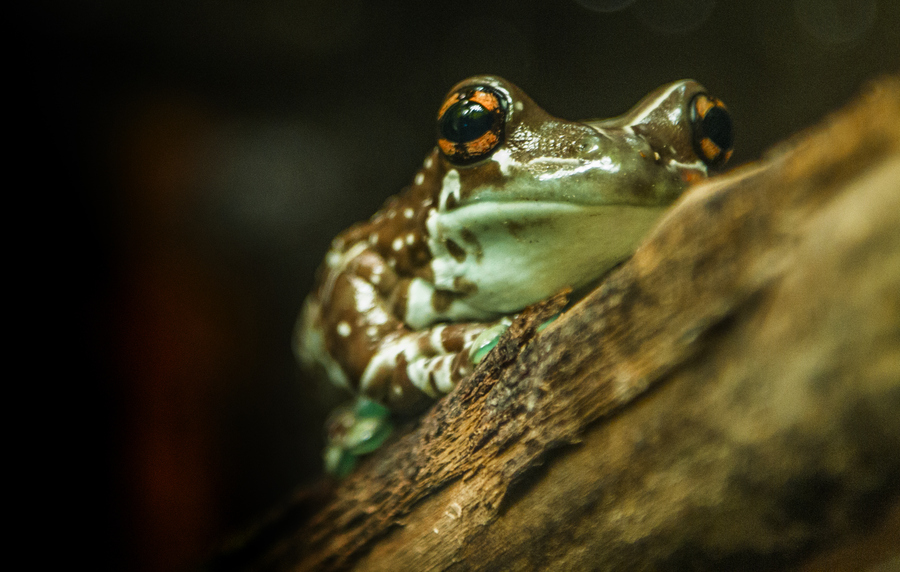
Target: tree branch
{"points": [[727, 399]]}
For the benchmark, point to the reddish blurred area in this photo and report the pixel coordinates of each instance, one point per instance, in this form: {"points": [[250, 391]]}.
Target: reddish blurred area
{"points": [[220, 146], [175, 336]]}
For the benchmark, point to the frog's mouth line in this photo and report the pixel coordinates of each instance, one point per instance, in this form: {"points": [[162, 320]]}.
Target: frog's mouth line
{"points": [[563, 199], [593, 182]]}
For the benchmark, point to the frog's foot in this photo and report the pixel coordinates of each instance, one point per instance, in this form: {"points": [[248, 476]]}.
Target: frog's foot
{"points": [[353, 430], [548, 321], [487, 340]]}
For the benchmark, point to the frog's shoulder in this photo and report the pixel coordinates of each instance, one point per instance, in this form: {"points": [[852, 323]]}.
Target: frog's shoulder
{"points": [[398, 231]]}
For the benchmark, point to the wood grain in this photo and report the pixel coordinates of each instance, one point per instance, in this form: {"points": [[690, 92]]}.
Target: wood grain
{"points": [[726, 399]]}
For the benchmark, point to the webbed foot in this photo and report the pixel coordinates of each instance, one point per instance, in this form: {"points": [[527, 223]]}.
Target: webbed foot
{"points": [[487, 340], [353, 430]]}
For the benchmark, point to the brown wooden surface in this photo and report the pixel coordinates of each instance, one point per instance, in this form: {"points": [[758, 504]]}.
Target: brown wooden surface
{"points": [[727, 399]]}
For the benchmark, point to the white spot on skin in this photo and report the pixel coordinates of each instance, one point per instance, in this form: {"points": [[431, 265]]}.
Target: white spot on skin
{"points": [[409, 213], [368, 303], [397, 244], [371, 331], [410, 239], [428, 162], [337, 262], [418, 370], [450, 187], [435, 338], [504, 160], [519, 106], [419, 311], [443, 370], [333, 259], [373, 238], [343, 329], [420, 178]]}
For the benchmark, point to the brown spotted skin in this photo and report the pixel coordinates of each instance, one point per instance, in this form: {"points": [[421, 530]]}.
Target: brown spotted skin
{"points": [[361, 297]]}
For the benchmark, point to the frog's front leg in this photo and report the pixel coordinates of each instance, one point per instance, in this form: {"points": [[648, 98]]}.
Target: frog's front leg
{"points": [[356, 326], [358, 320]]}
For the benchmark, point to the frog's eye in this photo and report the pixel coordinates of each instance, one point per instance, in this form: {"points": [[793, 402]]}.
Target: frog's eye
{"points": [[470, 123], [713, 133]]}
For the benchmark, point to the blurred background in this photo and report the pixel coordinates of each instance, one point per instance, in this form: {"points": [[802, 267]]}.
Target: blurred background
{"points": [[212, 149]]}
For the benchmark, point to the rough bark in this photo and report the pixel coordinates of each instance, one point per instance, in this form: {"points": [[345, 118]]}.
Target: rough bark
{"points": [[726, 399]]}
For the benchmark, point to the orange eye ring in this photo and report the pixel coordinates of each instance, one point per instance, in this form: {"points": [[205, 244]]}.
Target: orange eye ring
{"points": [[471, 123], [713, 135]]}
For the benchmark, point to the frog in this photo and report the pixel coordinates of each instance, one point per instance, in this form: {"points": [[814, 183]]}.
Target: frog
{"points": [[510, 207]]}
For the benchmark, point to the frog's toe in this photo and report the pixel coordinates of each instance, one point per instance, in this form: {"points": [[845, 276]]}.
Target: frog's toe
{"points": [[486, 341], [354, 430], [367, 435], [338, 461], [549, 321]]}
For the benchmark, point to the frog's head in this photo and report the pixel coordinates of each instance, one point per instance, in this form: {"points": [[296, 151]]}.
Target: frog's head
{"points": [[527, 203], [504, 147]]}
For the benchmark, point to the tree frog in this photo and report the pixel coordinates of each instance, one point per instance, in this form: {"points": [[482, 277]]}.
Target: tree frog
{"points": [[511, 206]]}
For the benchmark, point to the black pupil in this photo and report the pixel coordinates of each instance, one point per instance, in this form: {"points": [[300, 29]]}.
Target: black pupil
{"points": [[717, 126], [465, 121]]}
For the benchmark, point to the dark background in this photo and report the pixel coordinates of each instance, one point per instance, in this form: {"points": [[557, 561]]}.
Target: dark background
{"points": [[214, 148]]}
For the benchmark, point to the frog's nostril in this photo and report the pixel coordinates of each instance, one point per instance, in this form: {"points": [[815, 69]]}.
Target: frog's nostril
{"points": [[588, 144]]}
